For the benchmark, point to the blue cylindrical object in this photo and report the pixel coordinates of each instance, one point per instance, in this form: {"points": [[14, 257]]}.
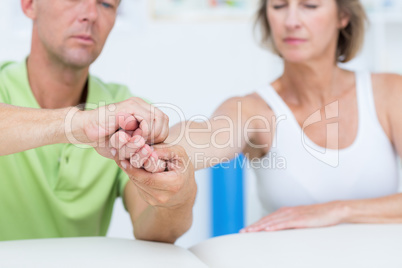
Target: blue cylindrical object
{"points": [[227, 197]]}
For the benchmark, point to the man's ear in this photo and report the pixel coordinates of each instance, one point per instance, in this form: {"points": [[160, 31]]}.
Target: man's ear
{"points": [[29, 8]]}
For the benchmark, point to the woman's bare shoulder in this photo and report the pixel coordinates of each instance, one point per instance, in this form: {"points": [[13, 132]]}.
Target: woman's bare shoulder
{"points": [[258, 104], [251, 104], [387, 90], [390, 85]]}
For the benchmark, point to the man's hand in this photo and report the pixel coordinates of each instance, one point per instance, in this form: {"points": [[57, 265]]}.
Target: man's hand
{"points": [[142, 123], [160, 203], [167, 179], [320, 215]]}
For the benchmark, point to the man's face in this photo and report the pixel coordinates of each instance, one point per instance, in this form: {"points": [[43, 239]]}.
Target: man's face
{"points": [[74, 32]]}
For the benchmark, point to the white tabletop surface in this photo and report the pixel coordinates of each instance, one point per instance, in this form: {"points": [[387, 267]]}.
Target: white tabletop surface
{"points": [[378, 246], [94, 252], [340, 246]]}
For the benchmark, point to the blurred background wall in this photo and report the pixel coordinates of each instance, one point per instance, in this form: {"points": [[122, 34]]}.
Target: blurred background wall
{"points": [[196, 61]]}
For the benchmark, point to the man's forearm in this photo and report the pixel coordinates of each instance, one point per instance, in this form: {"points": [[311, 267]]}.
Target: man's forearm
{"points": [[164, 224], [380, 210], [27, 128]]}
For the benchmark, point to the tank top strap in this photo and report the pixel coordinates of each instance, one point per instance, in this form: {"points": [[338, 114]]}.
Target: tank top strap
{"points": [[365, 100], [274, 101]]}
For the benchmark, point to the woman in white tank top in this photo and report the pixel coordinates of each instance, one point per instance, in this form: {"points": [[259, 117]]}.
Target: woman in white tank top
{"points": [[337, 133], [324, 141]]}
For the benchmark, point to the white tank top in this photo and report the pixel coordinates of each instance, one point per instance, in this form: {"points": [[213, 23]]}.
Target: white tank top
{"points": [[296, 171]]}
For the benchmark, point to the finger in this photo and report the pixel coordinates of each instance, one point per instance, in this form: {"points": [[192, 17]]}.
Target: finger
{"points": [[119, 139], [271, 225], [253, 227], [138, 132], [257, 226], [155, 130], [152, 121], [127, 121], [156, 181], [284, 225], [162, 125], [129, 132], [154, 125], [164, 134], [131, 147], [134, 145], [154, 164], [145, 129], [159, 129], [138, 159]]}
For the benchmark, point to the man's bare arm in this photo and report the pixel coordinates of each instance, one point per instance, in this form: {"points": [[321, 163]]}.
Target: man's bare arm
{"points": [[27, 128]]}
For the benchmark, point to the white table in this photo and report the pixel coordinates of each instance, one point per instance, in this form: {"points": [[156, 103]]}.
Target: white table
{"points": [[378, 246], [94, 252], [356, 246]]}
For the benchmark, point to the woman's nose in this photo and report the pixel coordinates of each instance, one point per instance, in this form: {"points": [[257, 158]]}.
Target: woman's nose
{"points": [[292, 18]]}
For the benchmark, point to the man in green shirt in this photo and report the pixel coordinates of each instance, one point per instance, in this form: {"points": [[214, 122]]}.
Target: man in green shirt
{"points": [[56, 178]]}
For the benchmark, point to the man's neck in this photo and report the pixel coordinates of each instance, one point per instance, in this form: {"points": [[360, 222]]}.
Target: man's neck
{"points": [[53, 84]]}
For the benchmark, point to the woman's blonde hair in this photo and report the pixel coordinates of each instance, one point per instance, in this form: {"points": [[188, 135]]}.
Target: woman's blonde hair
{"points": [[350, 39]]}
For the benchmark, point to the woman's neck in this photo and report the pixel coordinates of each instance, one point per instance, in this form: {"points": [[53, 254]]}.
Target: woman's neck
{"points": [[313, 84]]}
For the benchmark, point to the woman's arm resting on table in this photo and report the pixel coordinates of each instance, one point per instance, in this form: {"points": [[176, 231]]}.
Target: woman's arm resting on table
{"points": [[381, 210]]}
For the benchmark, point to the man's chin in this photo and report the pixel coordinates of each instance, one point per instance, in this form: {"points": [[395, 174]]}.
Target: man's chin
{"points": [[79, 60]]}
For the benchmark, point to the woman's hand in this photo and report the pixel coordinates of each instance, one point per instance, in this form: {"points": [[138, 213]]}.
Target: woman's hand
{"points": [[320, 215]]}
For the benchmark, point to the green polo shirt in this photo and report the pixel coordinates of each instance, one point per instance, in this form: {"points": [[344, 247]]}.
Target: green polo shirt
{"points": [[58, 190]]}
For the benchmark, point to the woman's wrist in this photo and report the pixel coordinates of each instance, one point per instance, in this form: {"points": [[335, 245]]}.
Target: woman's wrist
{"points": [[343, 211]]}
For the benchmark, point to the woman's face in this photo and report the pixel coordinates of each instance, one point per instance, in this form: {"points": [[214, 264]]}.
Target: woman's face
{"points": [[305, 30]]}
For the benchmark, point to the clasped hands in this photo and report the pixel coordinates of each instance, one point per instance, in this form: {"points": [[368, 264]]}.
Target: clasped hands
{"points": [[132, 133]]}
